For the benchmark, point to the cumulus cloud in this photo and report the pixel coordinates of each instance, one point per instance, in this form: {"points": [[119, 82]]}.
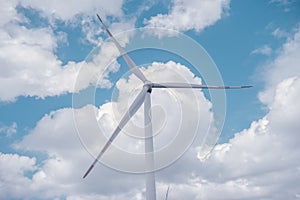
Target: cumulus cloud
{"points": [[261, 161], [59, 10], [30, 66], [12, 174], [190, 15], [35, 71], [283, 67]]}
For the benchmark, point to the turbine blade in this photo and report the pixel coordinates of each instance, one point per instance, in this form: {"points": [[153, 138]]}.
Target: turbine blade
{"points": [[187, 85], [134, 69], [139, 100]]}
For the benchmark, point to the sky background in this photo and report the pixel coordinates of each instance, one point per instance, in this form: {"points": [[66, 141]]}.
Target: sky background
{"points": [[43, 47]]}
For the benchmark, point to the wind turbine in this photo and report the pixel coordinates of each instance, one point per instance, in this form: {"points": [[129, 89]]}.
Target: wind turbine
{"points": [[144, 97]]}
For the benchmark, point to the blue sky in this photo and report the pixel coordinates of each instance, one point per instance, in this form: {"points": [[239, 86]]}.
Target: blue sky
{"points": [[44, 47]]}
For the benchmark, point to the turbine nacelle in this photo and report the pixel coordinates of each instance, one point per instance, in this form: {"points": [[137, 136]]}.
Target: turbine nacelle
{"points": [[148, 85]]}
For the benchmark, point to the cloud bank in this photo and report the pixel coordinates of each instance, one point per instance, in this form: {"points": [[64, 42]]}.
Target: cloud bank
{"points": [[259, 162]]}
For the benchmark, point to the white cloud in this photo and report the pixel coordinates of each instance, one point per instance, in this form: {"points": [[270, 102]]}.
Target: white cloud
{"points": [[59, 10], [190, 14], [261, 161], [30, 67], [8, 11], [9, 130], [279, 33], [92, 29], [283, 67], [78, 14], [12, 175], [264, 50]]}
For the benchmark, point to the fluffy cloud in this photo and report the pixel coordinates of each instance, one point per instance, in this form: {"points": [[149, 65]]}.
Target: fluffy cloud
{"points": [[30, 66], [190, 14], [283, 67], [57, 9], [261, 161], [12, 175], [36, 71]]}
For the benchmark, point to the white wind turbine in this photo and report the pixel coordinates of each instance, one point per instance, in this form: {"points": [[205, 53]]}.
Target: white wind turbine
{"points": [[145, 98]]}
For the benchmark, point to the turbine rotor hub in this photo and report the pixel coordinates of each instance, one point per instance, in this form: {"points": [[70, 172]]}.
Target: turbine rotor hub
{"points": [[148, 85]]}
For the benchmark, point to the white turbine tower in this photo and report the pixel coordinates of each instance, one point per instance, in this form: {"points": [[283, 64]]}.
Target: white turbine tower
{"points": [[145, 98]]}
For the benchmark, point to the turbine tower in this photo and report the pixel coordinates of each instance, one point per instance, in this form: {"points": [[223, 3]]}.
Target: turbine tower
{"points": [[144, 97]]}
